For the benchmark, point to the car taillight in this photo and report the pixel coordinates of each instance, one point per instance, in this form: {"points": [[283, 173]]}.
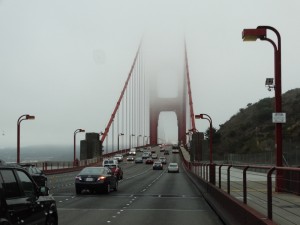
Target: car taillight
{"points": [[101, 178], [78, 178]]}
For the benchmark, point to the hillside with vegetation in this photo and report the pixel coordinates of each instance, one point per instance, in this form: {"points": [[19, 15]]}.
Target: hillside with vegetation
{"points": [[252, 130]]}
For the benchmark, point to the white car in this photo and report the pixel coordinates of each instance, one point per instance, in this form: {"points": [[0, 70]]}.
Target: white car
{"points": [[119, 157], [130, 158], [154, 156], [109, 161], [173, 168], [175, 151], [132, 151], [146, 155]]}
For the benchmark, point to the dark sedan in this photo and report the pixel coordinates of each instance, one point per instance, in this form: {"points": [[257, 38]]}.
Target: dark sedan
{"points": [[138, 160], [96, 179], [38, 176], [157, 165], [166, 152], [149, 161]]}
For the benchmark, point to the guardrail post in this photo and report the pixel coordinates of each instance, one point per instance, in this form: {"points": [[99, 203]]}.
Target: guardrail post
{"points": [[205, 170], [206, 175], [228, 179], [212, 173], [269, 192], [201, 170], [245, 184], [220, 171]]}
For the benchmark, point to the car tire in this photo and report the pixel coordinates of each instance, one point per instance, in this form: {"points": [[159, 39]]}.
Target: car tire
{"points": [[107, 189], [78, 191], [51, 221], [116, 187], [4, 222]]}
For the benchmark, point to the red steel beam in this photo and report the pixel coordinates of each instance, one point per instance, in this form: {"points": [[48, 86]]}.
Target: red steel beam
{"points": [[121, 96]]}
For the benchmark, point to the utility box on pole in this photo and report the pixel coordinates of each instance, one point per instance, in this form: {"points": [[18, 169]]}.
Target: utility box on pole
{"points": [[91, 147], [196, 146]]}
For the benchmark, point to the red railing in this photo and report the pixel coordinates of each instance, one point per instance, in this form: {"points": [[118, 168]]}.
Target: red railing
{"points": [[56, 167], [255, 186]]}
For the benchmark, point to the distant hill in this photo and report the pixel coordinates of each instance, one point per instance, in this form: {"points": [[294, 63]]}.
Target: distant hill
{"points": [[252, 130]]}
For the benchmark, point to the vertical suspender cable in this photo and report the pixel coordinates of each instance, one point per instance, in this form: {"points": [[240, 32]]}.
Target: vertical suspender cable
{"points": [[126, 115], [130, 113], [112, 136]]}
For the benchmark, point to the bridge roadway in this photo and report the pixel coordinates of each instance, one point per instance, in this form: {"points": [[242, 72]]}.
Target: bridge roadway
{"points": [[145, 196]]}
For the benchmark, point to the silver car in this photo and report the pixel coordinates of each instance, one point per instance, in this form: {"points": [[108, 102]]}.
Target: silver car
{"points": [[173, 168]]}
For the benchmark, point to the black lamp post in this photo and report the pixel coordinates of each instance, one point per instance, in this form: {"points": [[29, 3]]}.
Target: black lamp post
{"points": [[21, 118]]}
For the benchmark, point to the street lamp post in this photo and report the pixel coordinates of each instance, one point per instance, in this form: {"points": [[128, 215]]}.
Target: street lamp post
{"points": [[21, 118], [132, 135], [261, 33], [212, 167], [75, 132], [120, 134], [137, 141]]}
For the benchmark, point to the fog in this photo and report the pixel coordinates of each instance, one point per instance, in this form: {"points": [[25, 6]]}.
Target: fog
{"points": [[66, 61]]}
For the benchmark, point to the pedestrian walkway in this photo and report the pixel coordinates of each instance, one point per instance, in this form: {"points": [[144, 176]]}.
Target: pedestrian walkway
{"points": [[285, 206]]}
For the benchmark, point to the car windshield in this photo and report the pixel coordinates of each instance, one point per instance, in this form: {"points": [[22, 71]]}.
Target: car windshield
{"points": [[92, 171], [108, 161], [173, 165]]}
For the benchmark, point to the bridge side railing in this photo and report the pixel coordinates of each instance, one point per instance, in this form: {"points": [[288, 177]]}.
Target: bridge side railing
{"points": [[255, 186], [55, 167]]}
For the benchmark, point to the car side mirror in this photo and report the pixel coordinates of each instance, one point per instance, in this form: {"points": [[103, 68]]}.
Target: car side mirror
{"points": [[44, 191]]}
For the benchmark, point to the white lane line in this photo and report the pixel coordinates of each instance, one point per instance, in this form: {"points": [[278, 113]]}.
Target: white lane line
{"points": [[171, 210]]}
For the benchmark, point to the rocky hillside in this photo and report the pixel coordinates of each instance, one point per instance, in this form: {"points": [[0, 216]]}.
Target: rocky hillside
{"points": [[252, 130]]}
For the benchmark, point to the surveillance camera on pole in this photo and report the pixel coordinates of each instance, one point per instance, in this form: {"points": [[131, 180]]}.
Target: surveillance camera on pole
{"points": [[269, 83]]}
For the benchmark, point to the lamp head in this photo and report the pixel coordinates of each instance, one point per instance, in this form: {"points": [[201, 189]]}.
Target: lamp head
{"points": [[253, 34], [29, 117], [200, 116]]}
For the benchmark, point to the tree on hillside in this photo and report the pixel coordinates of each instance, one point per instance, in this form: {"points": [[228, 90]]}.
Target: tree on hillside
{"points": [[216, 136]]}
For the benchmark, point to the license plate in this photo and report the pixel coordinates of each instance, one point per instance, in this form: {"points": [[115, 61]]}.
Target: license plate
{"points": [[89, 179]]}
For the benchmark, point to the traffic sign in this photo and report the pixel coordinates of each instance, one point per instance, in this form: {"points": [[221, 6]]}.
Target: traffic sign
{"points": [[279, 117]]}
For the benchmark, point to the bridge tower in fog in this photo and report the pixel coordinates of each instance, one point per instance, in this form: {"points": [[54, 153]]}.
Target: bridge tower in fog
{"points": [[135, 118], [176, 105]]}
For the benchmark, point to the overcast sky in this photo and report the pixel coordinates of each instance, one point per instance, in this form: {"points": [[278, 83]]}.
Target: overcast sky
{"points": [[66, 61]]}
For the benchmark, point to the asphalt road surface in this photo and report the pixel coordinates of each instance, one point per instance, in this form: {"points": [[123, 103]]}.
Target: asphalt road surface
{"points": [[145, 196]]}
